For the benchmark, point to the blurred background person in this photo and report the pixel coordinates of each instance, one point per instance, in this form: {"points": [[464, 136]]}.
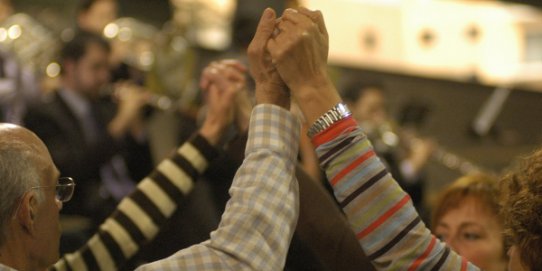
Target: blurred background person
{"points": [[22, 61], [466, 217], [95, 137], [94, 15], [404, 155]]}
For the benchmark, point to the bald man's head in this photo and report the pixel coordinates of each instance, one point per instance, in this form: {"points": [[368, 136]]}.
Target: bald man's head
{"points": [[24, 160]]}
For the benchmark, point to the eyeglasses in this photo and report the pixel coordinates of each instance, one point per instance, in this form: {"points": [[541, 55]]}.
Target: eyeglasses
{"points": [[63, 191], [64, 188]]}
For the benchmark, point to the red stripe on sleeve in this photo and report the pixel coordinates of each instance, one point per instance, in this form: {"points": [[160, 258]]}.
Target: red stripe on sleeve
{"points": [[463, 264], [383, 218], [333, 131], [352, 166], [422, 257]]}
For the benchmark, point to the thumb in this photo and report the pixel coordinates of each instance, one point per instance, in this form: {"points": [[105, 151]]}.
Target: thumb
{"points": [[265, 29]]}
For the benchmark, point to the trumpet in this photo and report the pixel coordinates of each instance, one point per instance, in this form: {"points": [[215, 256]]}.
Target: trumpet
{"points": [[156, 101], [388, 136], [158, 59]]}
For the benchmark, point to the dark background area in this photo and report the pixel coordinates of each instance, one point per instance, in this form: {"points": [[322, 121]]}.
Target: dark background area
{"points": [[452, 105]]}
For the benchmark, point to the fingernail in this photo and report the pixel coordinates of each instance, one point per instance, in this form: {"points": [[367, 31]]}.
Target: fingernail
{"points": [[291, 10], [267, 13]]}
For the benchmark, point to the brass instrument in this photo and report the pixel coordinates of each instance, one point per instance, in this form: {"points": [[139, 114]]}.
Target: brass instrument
{"points": [[135, 44], [387, 136], [206, 23], [32, 44]]}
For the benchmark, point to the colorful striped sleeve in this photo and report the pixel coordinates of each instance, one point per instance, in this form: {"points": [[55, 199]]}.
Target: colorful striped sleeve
{"points": [[381, 214], [138, 217]]}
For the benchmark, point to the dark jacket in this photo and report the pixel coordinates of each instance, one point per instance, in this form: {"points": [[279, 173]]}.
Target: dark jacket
{"points": [[55, 123]]}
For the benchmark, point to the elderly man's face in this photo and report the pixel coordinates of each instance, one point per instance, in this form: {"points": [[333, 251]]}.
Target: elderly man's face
{"points": [[47, 218], [43, 244]]}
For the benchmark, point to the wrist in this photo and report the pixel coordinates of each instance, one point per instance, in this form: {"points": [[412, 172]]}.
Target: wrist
{"points": [[273, 94], [212, 130], [121, 123], [316, 99], [331, 117]]}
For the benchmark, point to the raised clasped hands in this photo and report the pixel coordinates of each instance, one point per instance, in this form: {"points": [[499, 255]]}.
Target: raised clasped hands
{"points": [[299, 47], [270, 88], [293, 61], [221, 81]]}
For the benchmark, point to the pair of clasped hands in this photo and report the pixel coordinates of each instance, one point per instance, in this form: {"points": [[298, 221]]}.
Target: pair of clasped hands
{"points": [[287, 58]]}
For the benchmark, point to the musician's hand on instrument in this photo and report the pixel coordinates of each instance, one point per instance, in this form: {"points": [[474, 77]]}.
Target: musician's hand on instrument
{"points": [[131, 98], [420, 152]]}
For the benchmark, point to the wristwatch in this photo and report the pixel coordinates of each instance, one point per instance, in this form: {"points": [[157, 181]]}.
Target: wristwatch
{"points": [[338, 112]]}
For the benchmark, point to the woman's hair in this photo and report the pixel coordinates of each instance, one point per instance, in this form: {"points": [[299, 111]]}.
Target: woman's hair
{"points": [[521, 200], [481, 187]]}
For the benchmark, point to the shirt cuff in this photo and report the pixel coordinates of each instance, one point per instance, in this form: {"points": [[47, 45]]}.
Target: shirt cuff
{"points": [[343, 126], [273, 128], [208, 151]]}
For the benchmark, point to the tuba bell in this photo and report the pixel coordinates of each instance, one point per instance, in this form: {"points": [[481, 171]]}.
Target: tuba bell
{"points": [[33, 45]]}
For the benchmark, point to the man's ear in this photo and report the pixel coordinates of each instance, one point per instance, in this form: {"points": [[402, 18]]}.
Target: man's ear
{"points": [[27, 212]]}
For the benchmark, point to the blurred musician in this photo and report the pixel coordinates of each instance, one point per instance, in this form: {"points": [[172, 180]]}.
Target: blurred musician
{"points": [[98, 139], [20, 61], [94, 15]]}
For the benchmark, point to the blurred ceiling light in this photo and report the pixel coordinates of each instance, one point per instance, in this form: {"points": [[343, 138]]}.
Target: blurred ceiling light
{"points": [[179, 44], [111, 30], [14, 31], [3, 34], [222, 3], [125, 34], [53, 70], [146, 59]]}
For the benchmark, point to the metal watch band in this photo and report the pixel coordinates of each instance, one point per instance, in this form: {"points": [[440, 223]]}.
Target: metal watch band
{"points": [[335, 114]]}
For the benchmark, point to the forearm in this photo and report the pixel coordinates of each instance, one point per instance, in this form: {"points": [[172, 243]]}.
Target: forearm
{"points": [[380, 213], [264, 205], [314, 106], [138, 217], [121, 124], [260, 217]]}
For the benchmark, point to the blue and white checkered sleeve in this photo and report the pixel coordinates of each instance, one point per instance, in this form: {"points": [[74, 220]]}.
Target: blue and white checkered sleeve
{"points": [[260, 218]]}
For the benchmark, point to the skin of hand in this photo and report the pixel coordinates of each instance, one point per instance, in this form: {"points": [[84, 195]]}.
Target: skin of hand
{"points": [[299, 52], [420, 152], [131, 99], [243, 109], [221, 82], [270, 88]]}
